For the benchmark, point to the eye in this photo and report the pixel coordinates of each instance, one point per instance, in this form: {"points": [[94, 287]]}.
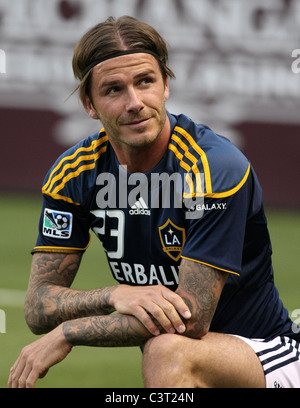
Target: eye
{"points": [[112, 90], [146, 81]]}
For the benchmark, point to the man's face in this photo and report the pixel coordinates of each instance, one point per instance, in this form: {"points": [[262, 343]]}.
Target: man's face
{"points": [[128, 96]]}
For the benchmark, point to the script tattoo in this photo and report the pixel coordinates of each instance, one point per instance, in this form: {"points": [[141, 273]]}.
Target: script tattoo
{"points": [[50, 301], [200, 286]]}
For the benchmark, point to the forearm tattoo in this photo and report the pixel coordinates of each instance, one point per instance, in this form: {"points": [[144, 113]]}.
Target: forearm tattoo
{"points": [[116, 330], [200, 287]]}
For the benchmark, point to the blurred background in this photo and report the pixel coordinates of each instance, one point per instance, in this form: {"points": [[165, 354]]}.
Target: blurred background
{"points": [[237, 69]]}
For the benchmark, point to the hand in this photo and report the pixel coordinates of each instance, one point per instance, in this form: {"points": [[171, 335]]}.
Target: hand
{"points": [[36, 359], [152, 302]]}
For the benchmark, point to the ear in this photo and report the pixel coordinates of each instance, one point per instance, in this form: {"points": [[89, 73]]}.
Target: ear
{"points": [[89, 108], [167, 90]]}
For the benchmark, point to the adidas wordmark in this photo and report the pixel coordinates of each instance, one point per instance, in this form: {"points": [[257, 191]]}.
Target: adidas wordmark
{"points": [[140, 208]]}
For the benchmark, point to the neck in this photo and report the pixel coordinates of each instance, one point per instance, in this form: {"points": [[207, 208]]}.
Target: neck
{"points": [[143, 159]]}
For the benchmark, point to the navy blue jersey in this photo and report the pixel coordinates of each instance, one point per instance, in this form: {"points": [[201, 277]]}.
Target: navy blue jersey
{"points": [[201, 202]]}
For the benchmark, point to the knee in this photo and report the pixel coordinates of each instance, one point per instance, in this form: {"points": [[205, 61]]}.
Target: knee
{"points": [[162, 346], [163, 360]]}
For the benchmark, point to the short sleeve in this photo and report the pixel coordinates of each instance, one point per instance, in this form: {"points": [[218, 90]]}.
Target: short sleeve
{"points": [[63, 227], [216, 237]]}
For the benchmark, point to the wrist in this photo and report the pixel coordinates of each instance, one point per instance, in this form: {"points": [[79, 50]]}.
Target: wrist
{"points": [[68, 334], [114, 295]]}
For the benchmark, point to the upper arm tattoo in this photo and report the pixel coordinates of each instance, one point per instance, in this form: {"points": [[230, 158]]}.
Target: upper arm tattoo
{"points": [[56, 268], [200, 286]]}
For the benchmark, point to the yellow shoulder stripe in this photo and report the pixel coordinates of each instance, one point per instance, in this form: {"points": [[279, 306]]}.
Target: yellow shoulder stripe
{"points": [[180, 157], [207, 176], [91, 166], [92, 147], [93, 156], [54, 192], [201, 153]]}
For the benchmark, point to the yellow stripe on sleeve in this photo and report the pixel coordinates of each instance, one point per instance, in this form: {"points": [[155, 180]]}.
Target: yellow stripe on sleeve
{"points": [[48, 186], [212, 266], [82, 168], [233, 190]]}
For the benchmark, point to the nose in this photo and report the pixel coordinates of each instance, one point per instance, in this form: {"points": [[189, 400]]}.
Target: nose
{"points": [[134, 102]]}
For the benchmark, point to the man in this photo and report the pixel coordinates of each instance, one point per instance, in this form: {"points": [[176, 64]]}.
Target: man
{"points": [[179, 212]]}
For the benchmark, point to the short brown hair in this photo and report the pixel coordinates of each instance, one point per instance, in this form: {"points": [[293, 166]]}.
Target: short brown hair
{"points": [[112, 36]]}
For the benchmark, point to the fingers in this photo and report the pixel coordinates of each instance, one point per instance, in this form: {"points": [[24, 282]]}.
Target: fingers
{"points": [[23, 374], [170, 309], [161, 305], [14, 374], [144, 317], [36, 358], [177, 302]]}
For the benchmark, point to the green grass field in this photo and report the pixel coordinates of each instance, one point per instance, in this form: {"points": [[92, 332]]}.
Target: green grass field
{"points": [[102, 367]]}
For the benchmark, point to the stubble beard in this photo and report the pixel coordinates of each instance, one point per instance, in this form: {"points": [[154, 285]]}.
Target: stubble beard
{"points": [[139, 141]]}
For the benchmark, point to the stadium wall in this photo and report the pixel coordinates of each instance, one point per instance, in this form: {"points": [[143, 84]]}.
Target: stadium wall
{"points": [[237, 67]]}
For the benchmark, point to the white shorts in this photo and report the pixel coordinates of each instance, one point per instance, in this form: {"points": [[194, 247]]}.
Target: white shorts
{"points": [[280, 359]]}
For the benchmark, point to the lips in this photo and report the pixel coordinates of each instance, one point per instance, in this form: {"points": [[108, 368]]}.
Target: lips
{"points": [[135, 122]]}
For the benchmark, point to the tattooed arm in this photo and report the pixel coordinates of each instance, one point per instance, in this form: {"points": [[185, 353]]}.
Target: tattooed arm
{"points": [[37, 357], [49, 302], [49, 299], [200, 286]]}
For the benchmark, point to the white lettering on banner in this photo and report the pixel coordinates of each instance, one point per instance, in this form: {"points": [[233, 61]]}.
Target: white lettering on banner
{"points": [[243, 53], [268, 20], [251, 25], [136, 274]]}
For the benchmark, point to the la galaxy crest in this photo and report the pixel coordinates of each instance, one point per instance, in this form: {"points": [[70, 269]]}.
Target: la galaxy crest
{"points": [[172, 239]]}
